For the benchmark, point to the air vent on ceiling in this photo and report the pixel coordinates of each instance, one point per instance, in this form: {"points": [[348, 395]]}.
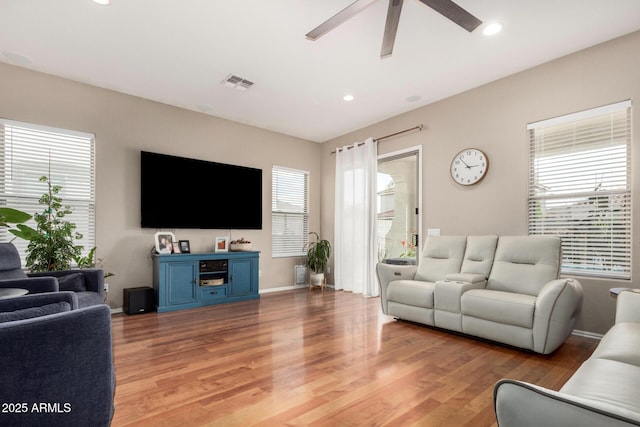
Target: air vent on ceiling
{"points": [[237, 82]]}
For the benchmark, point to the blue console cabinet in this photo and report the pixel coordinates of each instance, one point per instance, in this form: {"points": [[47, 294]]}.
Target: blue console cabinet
{"points": [[184, 281]]}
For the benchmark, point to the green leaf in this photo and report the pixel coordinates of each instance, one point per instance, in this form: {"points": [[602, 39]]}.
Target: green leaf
{"points": [[13, 216]]}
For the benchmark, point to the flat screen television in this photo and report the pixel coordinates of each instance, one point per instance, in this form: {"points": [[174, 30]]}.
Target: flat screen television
{"points": [[178, 192]]}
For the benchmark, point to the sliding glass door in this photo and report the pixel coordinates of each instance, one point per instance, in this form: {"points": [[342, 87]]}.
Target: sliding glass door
{"points": [[398, 206]]}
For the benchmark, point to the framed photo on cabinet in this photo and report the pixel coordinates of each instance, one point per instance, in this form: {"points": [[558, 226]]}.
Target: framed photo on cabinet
{"points": [[222, 244], [164, 242], [185, 248]]}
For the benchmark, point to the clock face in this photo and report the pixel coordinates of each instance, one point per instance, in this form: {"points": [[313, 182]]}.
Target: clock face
{"points": [[469, 166]]}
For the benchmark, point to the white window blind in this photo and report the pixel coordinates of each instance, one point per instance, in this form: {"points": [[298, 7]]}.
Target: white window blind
{"points": [[580, 188], [289, 212], [28, 152]]}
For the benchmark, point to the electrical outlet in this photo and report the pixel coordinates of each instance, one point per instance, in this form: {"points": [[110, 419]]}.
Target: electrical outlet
{"points": [[106, 287]]}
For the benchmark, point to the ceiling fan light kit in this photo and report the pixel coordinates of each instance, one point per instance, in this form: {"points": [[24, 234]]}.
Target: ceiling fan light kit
{"points": [[446, 8]]}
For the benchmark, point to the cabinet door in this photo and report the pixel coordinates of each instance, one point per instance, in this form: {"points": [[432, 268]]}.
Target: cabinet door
{"points": [[181, 283], [241, 277]]}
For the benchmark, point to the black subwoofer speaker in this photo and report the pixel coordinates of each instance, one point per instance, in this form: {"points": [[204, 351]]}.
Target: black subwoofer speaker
{"points": [[139, 300]]}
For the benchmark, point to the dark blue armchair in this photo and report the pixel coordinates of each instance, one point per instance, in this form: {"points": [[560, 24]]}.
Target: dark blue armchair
{"points": [[88, 284], [56, 369]]}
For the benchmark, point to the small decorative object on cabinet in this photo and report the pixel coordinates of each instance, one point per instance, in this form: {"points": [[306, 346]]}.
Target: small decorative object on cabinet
{"points": [[240, 245], [184, 281]]}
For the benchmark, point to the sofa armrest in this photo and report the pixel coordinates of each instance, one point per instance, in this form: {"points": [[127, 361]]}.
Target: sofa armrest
{"points": [[34, 285], [466, 277], [387, 273], [38, 300], [519, 404], [628, 307], [93, 277], [65, 359], [557, 309]]}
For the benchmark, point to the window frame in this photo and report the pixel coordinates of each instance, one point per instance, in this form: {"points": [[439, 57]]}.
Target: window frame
{"points": [[29, 151], [566, 155], [283, 246]]}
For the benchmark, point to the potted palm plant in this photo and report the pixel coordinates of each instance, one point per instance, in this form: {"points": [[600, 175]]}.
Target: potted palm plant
{"points": [[317, 258]]}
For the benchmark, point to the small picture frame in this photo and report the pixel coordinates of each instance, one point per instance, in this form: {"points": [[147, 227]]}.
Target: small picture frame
{"points": [[222, 244], [164, 242], [185, 248], [176, 248]]}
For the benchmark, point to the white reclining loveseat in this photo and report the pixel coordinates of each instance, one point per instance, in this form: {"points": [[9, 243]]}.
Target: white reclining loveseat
{"points": [[505, 289]]}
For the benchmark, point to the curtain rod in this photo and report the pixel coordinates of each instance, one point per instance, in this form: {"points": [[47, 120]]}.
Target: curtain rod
{"points": [[418, 128]]}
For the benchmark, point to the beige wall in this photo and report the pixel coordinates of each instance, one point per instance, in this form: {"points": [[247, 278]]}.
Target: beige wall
{"points": [[494, 118], [123, 126]]}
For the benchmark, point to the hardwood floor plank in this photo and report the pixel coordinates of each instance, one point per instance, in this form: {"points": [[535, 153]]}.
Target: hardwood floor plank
{"points": [[313, 358]]}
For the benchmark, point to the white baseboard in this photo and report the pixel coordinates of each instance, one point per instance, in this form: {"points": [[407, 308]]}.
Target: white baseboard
{"points": [[587, 334], [280, 289], [116, 310]]}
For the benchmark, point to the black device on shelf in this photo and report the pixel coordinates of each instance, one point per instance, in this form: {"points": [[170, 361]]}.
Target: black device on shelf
{"points": [[178, 192], [214, 272]]}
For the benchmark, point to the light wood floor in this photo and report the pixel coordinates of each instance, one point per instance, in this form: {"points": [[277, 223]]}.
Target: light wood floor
{"points": [[305, 357]]}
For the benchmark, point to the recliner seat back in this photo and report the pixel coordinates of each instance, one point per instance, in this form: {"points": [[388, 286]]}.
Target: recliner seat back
{"points": [[441, 255], [525, 264], [479, 255]]}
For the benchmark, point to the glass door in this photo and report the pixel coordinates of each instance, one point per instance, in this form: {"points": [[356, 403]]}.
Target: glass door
{"points": [[398, 206]]}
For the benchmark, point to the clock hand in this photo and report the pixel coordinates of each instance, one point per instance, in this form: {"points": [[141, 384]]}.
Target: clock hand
{"points": [[465, 163]]}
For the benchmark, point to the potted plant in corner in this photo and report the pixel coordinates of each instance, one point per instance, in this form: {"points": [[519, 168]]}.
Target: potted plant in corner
{"points": [[317, 258]]}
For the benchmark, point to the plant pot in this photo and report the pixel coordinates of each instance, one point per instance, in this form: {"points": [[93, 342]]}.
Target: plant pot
{"points": [[317, 279]]}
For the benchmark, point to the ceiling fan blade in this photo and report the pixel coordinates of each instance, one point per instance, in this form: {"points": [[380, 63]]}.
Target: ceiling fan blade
{"points": [[452, 11], [391, 28], [337, 19]]}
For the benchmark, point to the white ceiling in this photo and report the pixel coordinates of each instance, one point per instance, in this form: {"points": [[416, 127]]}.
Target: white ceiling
{"points": [[179, 52]]}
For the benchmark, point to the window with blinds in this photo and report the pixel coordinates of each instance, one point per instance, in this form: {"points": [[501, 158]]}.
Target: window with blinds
{"points": [[28, 152], [289, 212], [580, 188]]}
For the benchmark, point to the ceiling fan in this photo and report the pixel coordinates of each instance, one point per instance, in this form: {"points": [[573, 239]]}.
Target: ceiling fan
{"points": [[447, 8]]}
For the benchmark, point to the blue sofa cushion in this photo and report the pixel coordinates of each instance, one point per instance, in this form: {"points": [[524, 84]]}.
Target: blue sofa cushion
{"points": [[31, 312], [72, 282]]}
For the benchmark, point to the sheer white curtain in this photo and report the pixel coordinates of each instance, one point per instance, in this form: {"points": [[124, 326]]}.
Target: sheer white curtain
{"points": [[355, 253]]}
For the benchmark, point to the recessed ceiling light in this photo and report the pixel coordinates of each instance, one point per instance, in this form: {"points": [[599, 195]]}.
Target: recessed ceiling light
{"points": [[412, 98], [102, 2], [348, 98], [491, 29]]}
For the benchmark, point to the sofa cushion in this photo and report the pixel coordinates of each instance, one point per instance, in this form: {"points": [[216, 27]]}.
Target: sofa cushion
{"points": [[479, 254], [411, 292], [441, 255], [89, 298], [524, 264], [502, 307], [31, 312], [621, 343], [72, 282], [608, 384]]}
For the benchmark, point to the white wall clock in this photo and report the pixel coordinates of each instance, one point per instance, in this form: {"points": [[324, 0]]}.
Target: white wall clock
{"points": [[469, 166]]}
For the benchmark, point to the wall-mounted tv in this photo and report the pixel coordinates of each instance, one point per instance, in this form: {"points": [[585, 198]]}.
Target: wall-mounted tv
{"points": [[178, 192]]}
